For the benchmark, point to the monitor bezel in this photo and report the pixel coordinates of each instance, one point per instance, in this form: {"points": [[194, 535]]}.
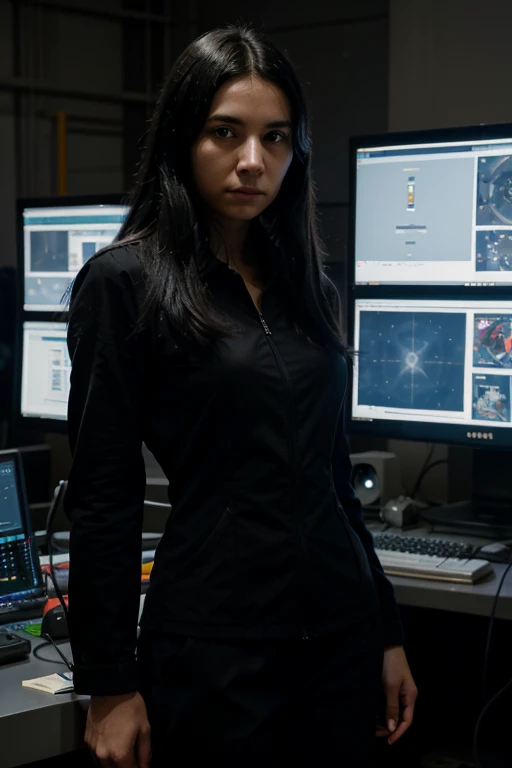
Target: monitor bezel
{"points": [[15, 456], [418, 431], [21, 422]]}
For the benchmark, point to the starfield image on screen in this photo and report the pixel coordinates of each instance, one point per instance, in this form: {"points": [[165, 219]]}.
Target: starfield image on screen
{"points": [[412, 360]]}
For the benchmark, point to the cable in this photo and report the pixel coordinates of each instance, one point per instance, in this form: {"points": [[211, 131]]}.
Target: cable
{"points": [[502, 690], [420, 475], [479, 722], [49, 639], [424, 472], [57, 496], [489, 633], [43, 658]]}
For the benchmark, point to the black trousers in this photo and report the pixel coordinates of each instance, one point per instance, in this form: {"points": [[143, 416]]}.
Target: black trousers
{"points": [[263, 702]]}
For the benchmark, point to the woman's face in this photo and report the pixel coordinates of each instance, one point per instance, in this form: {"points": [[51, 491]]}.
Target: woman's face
{"points": [[246, 142]]}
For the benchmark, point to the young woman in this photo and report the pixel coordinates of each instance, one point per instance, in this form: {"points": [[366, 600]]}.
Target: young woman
{"points": [[210, 332]]}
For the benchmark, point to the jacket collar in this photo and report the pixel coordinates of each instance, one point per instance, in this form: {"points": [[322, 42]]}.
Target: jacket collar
{"points": [[272, 252]]}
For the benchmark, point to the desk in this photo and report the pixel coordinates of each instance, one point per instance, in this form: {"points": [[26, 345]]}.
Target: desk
{"points": [[475, 599], [36, 725]]}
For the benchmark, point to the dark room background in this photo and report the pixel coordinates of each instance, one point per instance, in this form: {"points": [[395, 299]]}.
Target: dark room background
{"points": [[91, 70]]}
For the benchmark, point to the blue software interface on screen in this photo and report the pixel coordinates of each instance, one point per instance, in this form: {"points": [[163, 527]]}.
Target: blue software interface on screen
{"points": [[439, 361], [18, 573], [57, 241]]}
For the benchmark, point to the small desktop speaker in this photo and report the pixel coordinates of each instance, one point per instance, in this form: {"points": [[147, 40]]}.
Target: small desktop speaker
{"points": [[375, 477]]}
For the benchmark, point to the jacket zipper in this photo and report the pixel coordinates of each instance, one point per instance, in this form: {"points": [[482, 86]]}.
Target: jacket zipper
{"points": [[292, 436]]}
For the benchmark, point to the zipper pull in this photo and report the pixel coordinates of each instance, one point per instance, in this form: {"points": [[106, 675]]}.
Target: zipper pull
{"points": [[265, 326]]}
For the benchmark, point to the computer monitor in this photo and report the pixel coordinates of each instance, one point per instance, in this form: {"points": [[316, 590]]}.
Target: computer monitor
{"points": [[433, 208], [45, 371], [429, 299], [20, 571], [56, 238], [435, 369]]}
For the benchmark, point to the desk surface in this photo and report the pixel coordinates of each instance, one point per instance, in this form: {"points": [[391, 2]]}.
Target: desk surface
{"points": [[476, 599], [36, 725], [57, 722]]}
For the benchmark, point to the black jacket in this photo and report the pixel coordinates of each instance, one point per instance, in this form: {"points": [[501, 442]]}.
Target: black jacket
{"points": [[266, 536]]}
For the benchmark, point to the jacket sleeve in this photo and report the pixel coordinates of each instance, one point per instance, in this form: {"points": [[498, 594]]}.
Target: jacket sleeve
{"points": [[342, 476], [106, 486]]}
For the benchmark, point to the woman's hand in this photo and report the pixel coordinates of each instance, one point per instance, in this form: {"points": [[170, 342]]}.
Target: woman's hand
{"points": [[401, 693], [117, 732]]}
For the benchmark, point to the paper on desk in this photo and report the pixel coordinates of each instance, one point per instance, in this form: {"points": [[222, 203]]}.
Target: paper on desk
{"points": [[59, 682]]}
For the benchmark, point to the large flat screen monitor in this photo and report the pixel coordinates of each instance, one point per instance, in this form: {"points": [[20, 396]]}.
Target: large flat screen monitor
{"points": [[433, 208], [56, 240], [20, 572], [45, 371], [438, 368], [56, 236], [430, 296]]}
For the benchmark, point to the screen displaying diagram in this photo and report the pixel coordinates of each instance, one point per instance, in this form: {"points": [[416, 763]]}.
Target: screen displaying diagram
{"points": [[412, 360]]}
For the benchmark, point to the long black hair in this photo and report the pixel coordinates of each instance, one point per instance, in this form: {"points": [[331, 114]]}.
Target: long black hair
{"points": [[166, 211]]}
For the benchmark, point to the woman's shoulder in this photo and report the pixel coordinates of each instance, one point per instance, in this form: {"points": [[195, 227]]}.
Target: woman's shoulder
{"points": [[330, 292], [114, 268], [116, 262]]}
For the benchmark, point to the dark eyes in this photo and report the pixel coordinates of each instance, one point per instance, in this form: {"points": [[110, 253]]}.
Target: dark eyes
{"points": [[223, 132]]}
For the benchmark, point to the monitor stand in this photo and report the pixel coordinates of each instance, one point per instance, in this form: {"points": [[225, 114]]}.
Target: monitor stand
{"points": [[484, 479]]}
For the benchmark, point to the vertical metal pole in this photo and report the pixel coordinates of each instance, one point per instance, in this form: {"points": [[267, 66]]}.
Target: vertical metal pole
{"points": [[62, 153], [167, 39], [148, 63], [31, 111], [17, 71]]}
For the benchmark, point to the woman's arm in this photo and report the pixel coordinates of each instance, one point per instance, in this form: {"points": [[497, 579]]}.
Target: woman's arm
{"points": [[342, 475], [106, 486]]}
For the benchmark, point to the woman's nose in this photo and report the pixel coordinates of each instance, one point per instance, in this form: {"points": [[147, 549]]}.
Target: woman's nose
{"points": [[251, 157]]}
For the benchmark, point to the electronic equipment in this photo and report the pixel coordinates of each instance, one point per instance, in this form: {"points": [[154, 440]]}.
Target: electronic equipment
{"points": [[22, 593], [496, 552], [433, 207], [45, 371], [375, 476], [425, 558], [54, 622], [435, 568], [56, 236], [430, 315], [13, 647], [434, 369], [401, 512], [422, 545]]}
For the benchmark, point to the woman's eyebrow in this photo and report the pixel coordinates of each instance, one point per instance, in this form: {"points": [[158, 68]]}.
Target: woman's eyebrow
{"points": [[238, 121]]}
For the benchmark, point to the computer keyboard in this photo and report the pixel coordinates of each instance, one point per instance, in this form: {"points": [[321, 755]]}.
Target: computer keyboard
{"points": [[425, 558], [21, 610], [423, 546]]}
